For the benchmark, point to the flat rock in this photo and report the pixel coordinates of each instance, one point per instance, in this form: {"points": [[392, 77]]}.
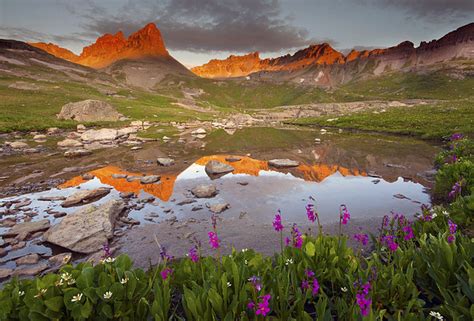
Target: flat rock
{"points": [[133, 178], [164, 161], [92, 135], [85, 197], [88, 229], [199, 131], [117, 176], [233, 159], [28, 227], [28, 259], [17, 145], [5, 273], [34, 270], [219, 208], [51, 198], [204, 191], [150, 179], [69, 143], [40, 137], [89, 110], [279, 163], [214, 167]]}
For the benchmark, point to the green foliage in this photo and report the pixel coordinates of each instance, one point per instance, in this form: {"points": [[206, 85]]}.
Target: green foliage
{"points": [[461, 172]]}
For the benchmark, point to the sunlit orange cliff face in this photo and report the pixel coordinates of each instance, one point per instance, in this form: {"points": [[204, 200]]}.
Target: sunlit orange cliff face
{"points": [[146, 42], [246, 165]]}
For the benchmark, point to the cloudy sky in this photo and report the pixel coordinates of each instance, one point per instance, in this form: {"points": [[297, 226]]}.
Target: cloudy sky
{"points": [[198, 30]]}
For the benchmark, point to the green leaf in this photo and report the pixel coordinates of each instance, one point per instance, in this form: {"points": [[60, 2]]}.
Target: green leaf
{"points": [[55, 304], [310, 249]]}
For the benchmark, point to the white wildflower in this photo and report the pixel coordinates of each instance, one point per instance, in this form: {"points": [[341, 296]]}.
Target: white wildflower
{"points": [[40, 293], [76, 298], [109, 260], [244, 250], [288, 261], [107, 295], [21, 293], [434, 215], [445, 213], [124, 280], [246, 262], [436, 315], [344, 289], [229, 284]]}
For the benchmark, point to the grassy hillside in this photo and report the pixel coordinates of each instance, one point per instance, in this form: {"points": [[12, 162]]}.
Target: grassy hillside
{"points": [[426, 121]]}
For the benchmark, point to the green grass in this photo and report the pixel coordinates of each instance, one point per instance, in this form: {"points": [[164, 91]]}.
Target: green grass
{"points": [[425, 121]]}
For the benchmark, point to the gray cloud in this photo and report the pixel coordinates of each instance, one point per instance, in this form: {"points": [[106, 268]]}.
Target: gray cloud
{"points": [[436, 10], [25, 34], [205, 25]]}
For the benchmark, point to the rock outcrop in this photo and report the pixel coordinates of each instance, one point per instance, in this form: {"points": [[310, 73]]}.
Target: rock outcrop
{"points": [[89, 111], [88, 229]]}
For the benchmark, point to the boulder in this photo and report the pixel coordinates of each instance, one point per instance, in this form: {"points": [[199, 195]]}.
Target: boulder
{"points": [[53, 131], [85, 197], [199, 131], [28, 227], [69, 143], [88, 229], [279, 163], [89, 110], [204, 191], [40, 137], [81, 128], [163, 161], [5, 273], [93, 135]]}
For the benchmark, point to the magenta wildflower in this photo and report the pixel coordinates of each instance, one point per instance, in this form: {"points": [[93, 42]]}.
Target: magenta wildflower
{"points": [[345, 215], [277, 222], [296, 238], [451, 238], [315, 287], [251, 305], [452, 227], [165, 273], [263, 306], [361, 238], [310, 282], [310, 212], [213, 240], [363, 300], [193, 254]]}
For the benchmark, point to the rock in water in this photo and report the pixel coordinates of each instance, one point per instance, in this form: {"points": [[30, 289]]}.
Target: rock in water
{"points": [[204, 191], [283, 163], [150, 179], [93, 135], [163, 161], [88, 229], [219, 208], [85, 197], [77, 153], [89, 110], [214, 167]]}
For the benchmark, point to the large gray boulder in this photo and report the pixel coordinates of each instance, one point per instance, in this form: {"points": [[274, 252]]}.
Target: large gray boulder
{"points": [[86, 196], [89, 110], [88, 229], [214, 167]]}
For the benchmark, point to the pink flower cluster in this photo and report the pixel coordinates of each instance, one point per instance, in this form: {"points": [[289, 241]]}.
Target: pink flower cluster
{"points": [[213, 240], [389, 241], [310, 212], [193, 254], [363, 300], [362, 238], [165, 273], [345, 215], [277, 222], [296, 238], [452, 230]]}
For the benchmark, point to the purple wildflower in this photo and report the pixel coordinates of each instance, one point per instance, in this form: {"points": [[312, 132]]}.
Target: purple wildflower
{"points": [[408, 231], [310, 212], [362, 238], [345, 215], [277, 222], [165, 273], [452, 227], [456, 136], [455, 191], [251, 305], [451, 238], [390, 242], [213, 240], [309, 273], [305, 284], [310, 282], [255, 280], [263, 306], [106, 250], [193, 254], [164, 255]]}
